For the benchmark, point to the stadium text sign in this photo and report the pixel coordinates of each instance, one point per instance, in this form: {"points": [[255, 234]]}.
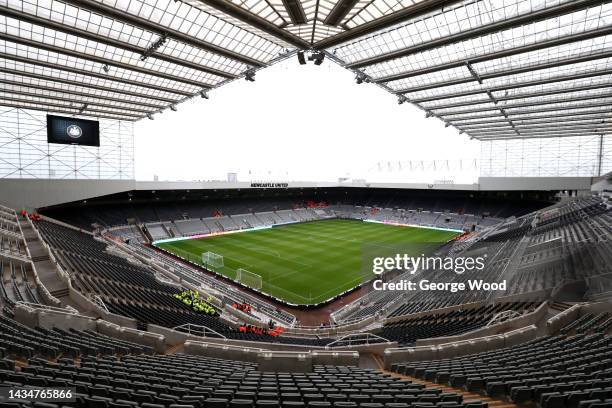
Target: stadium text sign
{"points": [[269, 185]]}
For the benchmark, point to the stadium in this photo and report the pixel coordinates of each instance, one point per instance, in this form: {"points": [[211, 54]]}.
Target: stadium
{"points": [[362, 204]]}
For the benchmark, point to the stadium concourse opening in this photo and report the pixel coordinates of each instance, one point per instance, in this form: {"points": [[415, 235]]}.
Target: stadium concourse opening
{"points": [[299, 263]]}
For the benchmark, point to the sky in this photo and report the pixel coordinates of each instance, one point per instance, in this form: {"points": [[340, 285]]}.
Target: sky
{"points": [[302, 123]]}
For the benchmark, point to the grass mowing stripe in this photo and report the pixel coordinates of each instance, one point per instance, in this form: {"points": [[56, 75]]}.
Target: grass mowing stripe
{"points": [[304, 263]]}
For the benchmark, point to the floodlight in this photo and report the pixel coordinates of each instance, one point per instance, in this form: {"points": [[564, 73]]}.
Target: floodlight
{"points": [[105, 68], [401, 99], [149, 116], [204, 94], [250, 75], [173, 108], [153, 47]]}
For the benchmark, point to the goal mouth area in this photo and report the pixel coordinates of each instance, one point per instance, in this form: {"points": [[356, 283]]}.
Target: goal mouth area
{"points": [[259, 292]]}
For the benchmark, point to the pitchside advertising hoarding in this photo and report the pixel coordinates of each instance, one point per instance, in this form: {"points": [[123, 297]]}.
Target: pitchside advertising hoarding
{"points": [[66, 130]]}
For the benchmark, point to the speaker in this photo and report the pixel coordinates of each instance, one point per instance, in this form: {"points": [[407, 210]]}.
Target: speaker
{"points": [[301, 57]]}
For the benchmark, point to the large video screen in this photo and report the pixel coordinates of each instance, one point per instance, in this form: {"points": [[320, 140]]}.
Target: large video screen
{"points": [[64, 130]]}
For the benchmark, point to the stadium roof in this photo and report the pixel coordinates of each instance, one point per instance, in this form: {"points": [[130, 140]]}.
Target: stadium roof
{"points": [[494, 69]]}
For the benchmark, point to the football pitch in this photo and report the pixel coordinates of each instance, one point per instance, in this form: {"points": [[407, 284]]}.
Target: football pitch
{"points": [[306, 263]]}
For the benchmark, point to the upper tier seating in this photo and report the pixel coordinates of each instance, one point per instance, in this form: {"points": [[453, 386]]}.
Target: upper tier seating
{"points": [[466, 207]]}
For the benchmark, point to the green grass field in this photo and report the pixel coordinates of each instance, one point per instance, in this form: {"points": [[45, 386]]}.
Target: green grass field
{"points": [[306, 263]]}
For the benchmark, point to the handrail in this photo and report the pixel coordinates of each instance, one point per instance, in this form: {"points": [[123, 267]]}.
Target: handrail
{"points": [[203, 330], [369, 338], [503, 316], [32, 306]]}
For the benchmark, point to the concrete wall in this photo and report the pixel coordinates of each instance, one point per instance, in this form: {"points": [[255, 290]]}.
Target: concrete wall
{"points": [[534, 183], [285, 361], [598, 307], [460, 348], [34, 193], [155, 341], [332, 331], [50, 318], [555, 323]]}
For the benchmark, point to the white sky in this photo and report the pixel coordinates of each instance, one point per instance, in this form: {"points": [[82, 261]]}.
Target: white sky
{"points": [[301, 123]]}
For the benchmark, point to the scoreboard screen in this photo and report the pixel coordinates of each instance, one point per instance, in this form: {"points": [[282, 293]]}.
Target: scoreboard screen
{"points": [[65, 130]]}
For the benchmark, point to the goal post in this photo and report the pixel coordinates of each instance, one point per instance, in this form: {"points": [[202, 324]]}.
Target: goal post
{"points": [[212, 260], [250, 279]]}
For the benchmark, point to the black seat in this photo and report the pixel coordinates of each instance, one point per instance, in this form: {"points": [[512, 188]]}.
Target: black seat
{"points": [[241, 403], [267, 403]]}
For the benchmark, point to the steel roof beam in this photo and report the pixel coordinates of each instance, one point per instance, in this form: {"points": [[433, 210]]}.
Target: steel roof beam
{"points": [[295, 11], [103, 116], [522, 105], [468, 80], [88, 102], [544, 14], [76, 108], [506, 53], [42, 22], [340, 10], [505, 86], [543, 136], [595, 130], [262, 24], [527, 112], [90, 86], [518, 122], [105, 10], [103, 61], [77, 93], [555, 117], [522, 96], [538, 129], [93, 75], [414, 11]]}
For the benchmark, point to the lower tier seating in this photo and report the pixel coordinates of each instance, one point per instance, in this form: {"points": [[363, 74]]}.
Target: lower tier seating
{"points": [[447, 324], [573, 371]]}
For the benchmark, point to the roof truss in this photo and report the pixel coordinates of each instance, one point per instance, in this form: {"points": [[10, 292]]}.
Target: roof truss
{"points": [[483, 66]]}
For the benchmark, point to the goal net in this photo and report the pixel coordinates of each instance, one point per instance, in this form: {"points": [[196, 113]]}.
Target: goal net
{"points": [[250, 279], [212, 260]]}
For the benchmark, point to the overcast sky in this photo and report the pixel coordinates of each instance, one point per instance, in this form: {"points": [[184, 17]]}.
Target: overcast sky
{"points": [[306, 123]]}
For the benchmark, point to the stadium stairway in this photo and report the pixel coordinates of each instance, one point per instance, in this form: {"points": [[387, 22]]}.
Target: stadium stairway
{"points": [[467, 396], [46, 270]]}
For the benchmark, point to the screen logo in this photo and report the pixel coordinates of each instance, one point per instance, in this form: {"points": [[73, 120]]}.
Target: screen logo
{"points": [[74, 131]]}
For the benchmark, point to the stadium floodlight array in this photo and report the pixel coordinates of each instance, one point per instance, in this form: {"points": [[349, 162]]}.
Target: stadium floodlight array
{"points": [[250, 279], [212, 261]]}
